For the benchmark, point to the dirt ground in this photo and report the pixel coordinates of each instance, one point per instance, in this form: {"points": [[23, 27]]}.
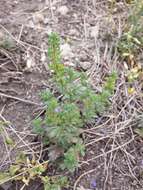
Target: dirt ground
{"points": [[114, 155]]}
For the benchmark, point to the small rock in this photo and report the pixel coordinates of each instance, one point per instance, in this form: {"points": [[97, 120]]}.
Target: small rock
{"points": [[85, 65], [31, 23], [46, 20], [30, 61], [16, 2], [38, 18], [75, 16], [63, 10], [69, 64], [94, 31], [48, 30], [73, 32], [25, 32], [83, 56], [66, 51]]}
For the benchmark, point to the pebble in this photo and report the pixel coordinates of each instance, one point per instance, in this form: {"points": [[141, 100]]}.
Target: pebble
{"points": [[38, 18], [66, 51], [16, 2], [94, 31], [63, 10], [85, 65], [46, 20], [73, 32]]}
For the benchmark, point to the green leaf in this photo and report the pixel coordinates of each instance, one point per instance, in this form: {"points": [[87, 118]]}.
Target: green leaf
{"points": [[13, 169], [46, 95], [21, 158], [139, 132], [4, 176], [38, 126], [9, 141]]}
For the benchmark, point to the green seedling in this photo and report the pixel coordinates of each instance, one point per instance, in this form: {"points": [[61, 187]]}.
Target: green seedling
{"points": [[78, 104], [54, 183]]}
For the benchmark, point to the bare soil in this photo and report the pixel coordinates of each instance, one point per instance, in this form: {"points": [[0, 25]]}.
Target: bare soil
{"points": [[114, 152]]}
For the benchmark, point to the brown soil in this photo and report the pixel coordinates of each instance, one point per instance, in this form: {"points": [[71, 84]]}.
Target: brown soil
{"points": [[114, 152]]}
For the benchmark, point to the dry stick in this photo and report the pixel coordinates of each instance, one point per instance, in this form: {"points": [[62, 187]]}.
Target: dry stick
{"points": [[20, 34], [8, 152], [23, 186], [25, 145], [128, 155], [81, 176], [111, 157], [21, 139], [125, 105], [41, 151], [103, 154], [99, 139], [128, 163], [51, 9], [15, 132], [24, 133], [108, 152], [19, 99], [98, 126], [111, 176], [8, 56], [24, 44]]}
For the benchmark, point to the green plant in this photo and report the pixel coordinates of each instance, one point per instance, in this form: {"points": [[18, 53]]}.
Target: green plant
{"points": [[139, 125], [71, 157], [8, 141], [24, 170], [131, 41], [54, 183], [6, 42], [78, 104]]}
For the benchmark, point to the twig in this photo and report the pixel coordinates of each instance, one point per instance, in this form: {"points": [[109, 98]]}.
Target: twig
{"points": [[19, 99], [108, 152], [81, 176]]}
